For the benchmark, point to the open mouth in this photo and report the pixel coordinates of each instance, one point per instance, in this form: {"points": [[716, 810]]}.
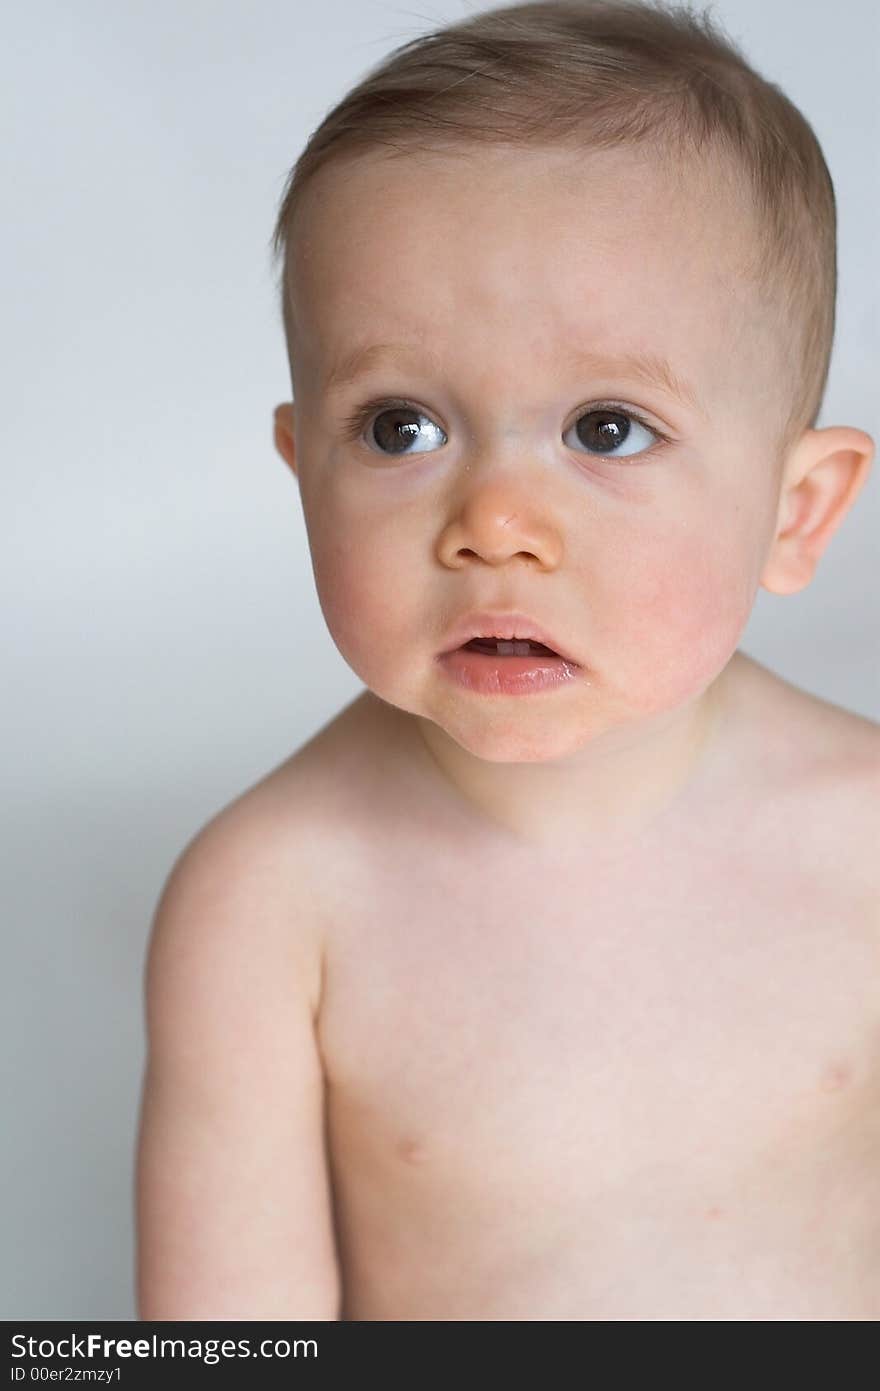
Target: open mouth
{"points": [[507, 666], [501, 647]]}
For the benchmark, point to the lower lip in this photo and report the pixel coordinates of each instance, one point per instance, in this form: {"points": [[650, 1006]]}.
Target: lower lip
{"points": [[488, 675]]}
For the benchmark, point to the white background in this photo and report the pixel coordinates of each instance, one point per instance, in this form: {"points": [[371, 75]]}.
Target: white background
{"points": [[163, 642]]}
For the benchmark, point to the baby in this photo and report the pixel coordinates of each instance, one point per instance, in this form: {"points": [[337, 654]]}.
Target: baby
{"points": [[543, 982]]}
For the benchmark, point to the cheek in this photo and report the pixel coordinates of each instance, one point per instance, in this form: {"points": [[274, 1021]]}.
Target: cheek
{"points": [[676, 605], [367, 579]]}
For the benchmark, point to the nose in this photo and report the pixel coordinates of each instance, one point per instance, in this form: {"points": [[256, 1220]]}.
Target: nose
{"points": [[500, 521]]}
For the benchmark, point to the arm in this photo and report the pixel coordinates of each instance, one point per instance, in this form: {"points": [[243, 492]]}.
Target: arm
{"points": [[234, 1214]]}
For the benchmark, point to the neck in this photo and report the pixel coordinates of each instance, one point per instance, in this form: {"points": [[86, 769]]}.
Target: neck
{"points": [[608, 792]]}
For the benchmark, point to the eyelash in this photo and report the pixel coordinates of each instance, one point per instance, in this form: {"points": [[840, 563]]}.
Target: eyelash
{"points": [[355, 424]]}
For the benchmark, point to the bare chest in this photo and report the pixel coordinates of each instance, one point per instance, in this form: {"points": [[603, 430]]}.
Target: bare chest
{"points": [[560, 1077]]}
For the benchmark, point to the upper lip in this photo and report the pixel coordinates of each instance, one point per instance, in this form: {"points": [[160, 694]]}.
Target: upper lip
{"points": [[486, 623]]}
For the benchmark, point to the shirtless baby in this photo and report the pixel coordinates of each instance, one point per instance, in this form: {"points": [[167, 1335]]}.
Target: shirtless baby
{"points": [[541, 984]]}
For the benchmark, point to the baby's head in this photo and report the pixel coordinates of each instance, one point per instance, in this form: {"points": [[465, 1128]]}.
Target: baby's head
{"points": [[558, 291]]}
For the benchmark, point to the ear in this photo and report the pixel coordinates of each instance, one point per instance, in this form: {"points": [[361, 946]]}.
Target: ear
{"points": [[284, 434], [822, 478]]}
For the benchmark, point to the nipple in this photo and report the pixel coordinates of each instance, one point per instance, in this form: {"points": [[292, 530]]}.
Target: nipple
{"points": [[411, 1150], [836, 1076]]}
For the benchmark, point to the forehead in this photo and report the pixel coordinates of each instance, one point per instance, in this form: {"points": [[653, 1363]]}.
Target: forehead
{"points": [[500, 260]]}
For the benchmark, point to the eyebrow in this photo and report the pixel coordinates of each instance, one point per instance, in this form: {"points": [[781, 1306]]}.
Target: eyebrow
{"points": [[650, 369]]}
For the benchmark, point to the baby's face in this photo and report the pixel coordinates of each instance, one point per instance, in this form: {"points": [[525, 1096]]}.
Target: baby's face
{"points": [[508, 284]]}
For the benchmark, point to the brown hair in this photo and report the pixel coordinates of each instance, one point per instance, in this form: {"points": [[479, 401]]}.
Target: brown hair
{"points": [[599, 74]]}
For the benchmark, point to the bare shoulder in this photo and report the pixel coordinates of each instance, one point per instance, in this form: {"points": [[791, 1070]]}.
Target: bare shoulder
{"points": [[234, 1203], [817, 765], [317, 804], [263, 859], [800, 730]]}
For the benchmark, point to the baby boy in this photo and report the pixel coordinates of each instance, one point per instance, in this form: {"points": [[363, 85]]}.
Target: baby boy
{"points": [[543, 982]]}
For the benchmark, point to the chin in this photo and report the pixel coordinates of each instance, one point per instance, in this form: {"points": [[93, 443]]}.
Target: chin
{"points": [[504, 738]]}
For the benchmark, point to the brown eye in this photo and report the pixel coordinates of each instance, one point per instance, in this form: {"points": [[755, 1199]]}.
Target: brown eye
{"points": [[400, 429], [604, 430]]}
